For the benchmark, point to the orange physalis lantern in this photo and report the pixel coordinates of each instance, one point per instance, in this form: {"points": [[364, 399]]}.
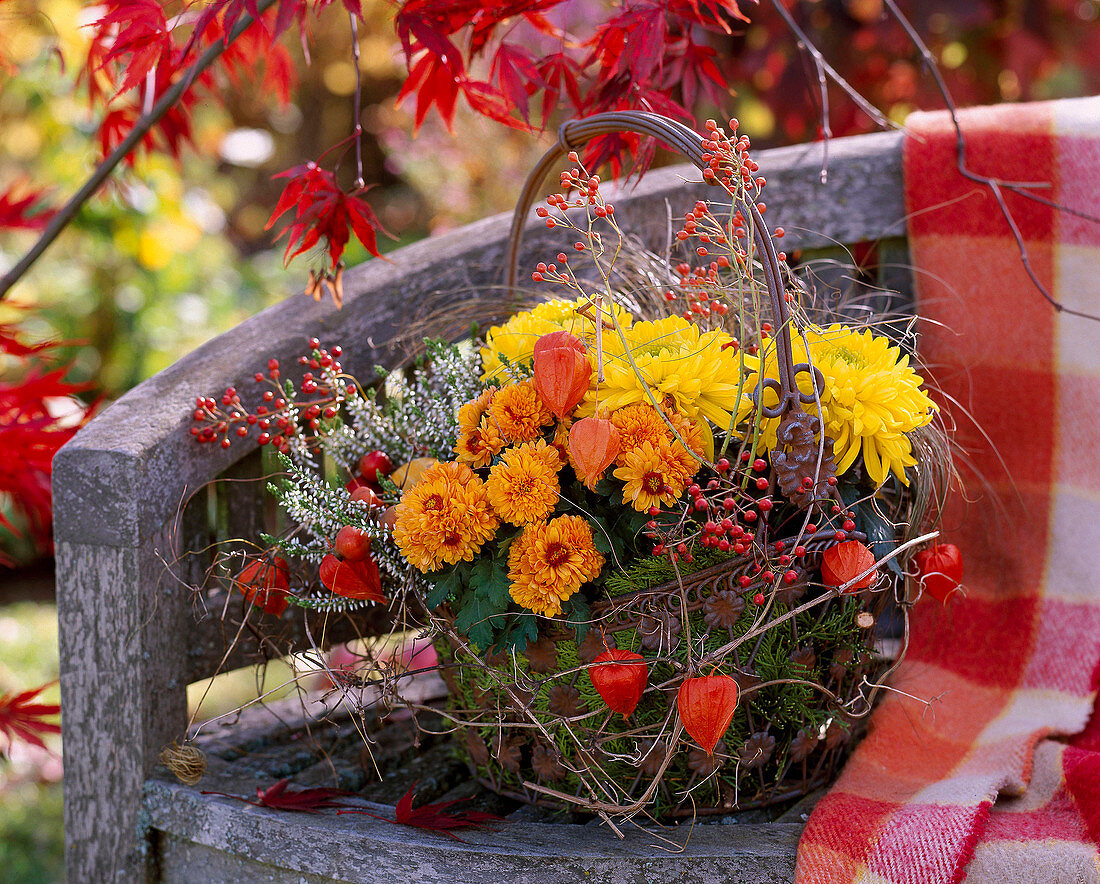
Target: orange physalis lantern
{"points": [[706, 705], [593, 447], [352, 579], [619, 676], [846, 561], [941, 569], [562, 371], [265, 584]]}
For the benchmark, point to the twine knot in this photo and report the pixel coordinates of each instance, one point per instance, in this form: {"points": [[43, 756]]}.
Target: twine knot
{"points": [[186, 762]]}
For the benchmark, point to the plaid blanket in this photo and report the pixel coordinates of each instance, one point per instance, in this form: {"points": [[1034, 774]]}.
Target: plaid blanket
{"points": [[958, 775]]}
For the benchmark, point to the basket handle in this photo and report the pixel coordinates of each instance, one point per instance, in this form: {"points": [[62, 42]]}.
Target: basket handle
{"points": [[687, 142]]}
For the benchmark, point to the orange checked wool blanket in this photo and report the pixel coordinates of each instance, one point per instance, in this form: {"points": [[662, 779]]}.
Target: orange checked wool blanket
{"points": [[980, 782]]}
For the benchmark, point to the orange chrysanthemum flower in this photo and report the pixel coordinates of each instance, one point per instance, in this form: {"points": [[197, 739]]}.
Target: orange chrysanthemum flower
{"points": [[523, 487], [560, 442], [655, 474], [479, 439], [445, 518], [550, 561], [479, 447], [519, 413], [638, 424], [690, 431]]}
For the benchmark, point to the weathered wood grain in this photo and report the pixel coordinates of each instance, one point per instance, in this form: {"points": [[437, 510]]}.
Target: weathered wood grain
{"points": [[219, 840], [126, 621]]}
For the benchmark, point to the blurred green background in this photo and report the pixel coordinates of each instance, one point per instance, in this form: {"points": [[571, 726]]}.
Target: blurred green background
{"points": [[171, 254]]}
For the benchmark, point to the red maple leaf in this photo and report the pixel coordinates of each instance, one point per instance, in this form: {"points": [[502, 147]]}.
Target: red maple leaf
{"points": [[631, 42], [172, 131], [516, 76], [485, 21], [559, 73], [435, 80], [131, 39], [286, 13], [254, 50], [434, 817], [323, 211], [713, 15], [23, 720], [691, 66], [280, 797], [33, 426], [16, 212]]}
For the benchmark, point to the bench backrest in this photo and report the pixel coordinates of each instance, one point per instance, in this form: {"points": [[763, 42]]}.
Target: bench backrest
{"points": [[133, 492]]}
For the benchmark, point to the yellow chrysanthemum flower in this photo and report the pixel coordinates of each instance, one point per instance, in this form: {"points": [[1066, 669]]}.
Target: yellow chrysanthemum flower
{"points": [[655, 475], [550, 561], [479, 437], [514, 342], [871, 398], [445, 518], [523, 487], [686, 370], [519, 413]]}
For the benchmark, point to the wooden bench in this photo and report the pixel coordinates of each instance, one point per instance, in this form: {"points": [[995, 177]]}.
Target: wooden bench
{"points": [[133, 635]]}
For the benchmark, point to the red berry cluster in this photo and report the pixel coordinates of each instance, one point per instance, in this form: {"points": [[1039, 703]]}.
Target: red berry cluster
{"points": [[280, 415], [579, 189], [737, 511], [724, 241]]}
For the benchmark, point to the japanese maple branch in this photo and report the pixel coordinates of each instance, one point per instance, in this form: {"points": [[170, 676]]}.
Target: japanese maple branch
{"points": [[824, 69], [141, 128], [995, 185]]}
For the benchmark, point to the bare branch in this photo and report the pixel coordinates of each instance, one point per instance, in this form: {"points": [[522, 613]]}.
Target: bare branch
{"points": [[141, 128]]}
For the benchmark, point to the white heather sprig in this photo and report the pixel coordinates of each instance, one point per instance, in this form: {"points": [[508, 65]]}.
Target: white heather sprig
{"points": [[322, 510]]}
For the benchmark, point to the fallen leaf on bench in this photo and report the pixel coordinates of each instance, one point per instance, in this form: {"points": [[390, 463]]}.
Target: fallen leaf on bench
{"points": [[434, 817], [280, 797]]}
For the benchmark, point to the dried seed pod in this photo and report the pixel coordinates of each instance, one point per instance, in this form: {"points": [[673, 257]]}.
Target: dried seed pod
{"points": [[620, 678], [706, 763], [542, 656], [757, 750], [659, 632], [746, 678], [706, 705], [546, 762], [508, 751], [593, 447], [565, 700], [562, 371], [836, 735], [842, 662], [654, 757], [594, 644], [476, 748], [804, 657], [802, 745], [789, 593], [722, 608]]}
